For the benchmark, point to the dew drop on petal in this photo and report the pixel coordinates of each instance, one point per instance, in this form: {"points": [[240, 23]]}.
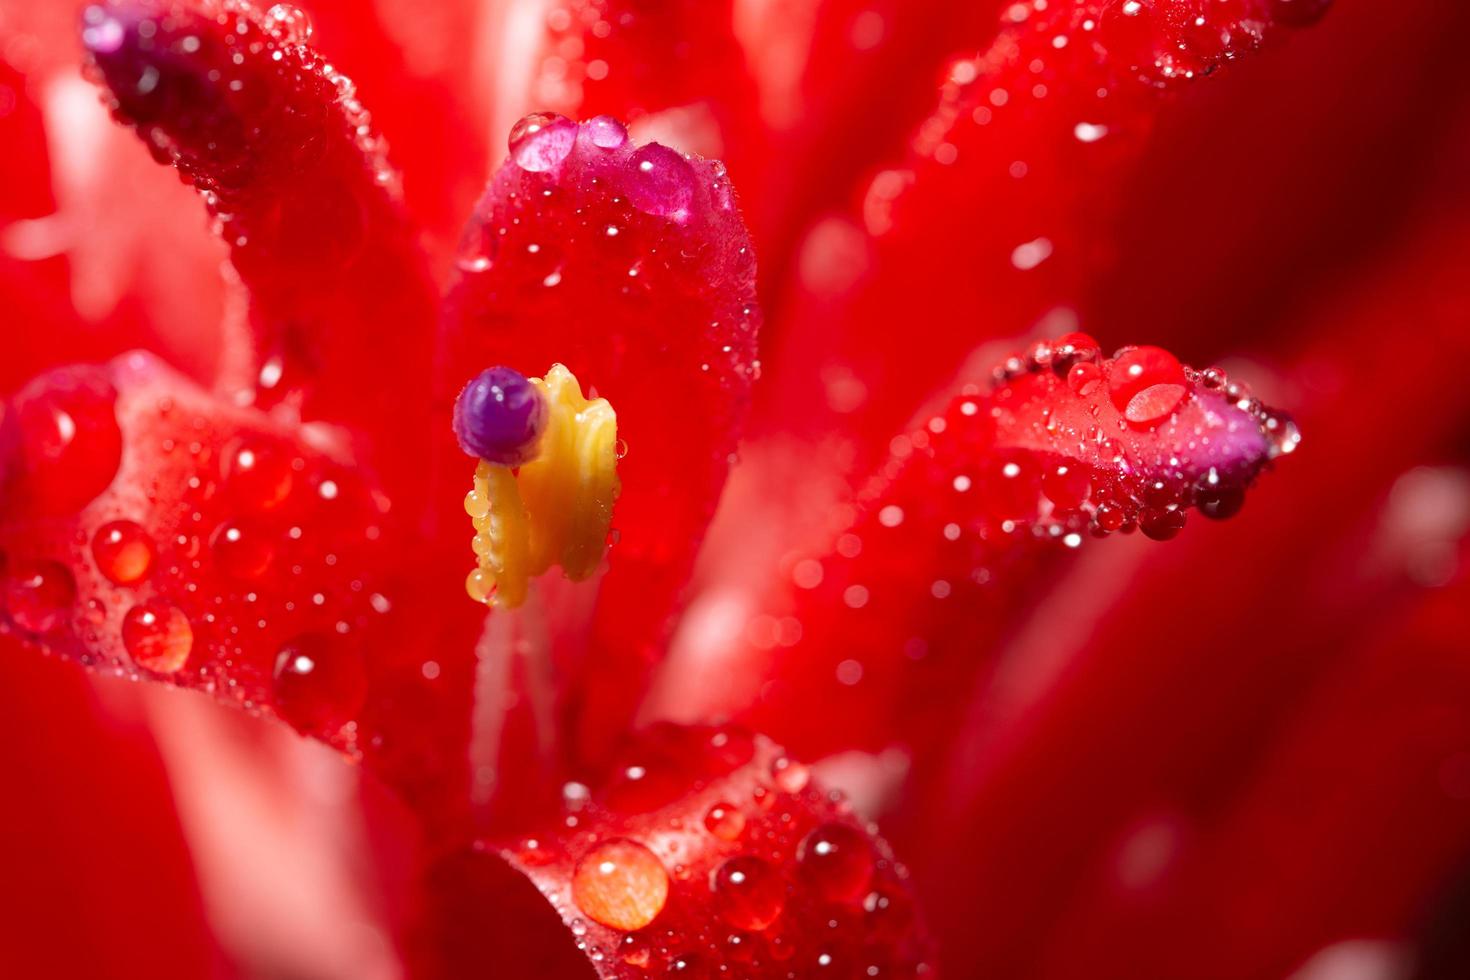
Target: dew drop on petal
{"points": [[39, 595], [725, 821], [621, 884], [1084, 378], [242, 551], [68, 440], [123, 552], [606, 132], [749, 892], [1154, 404], [257, 474], [1134, 376], [288, 24], [662, 182], [541, 141], [838, 861], [1161, 525], [158, 636], [319, 684]]}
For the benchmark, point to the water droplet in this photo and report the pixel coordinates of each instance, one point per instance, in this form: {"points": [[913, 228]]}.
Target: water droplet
{"points": [[661, 182], [257, 473], [621, 884], [102, 33], [319, 684], [158, 636], [725, 821], [1283, 434], [1161, 525], [1218, 500], [39, 595], [288, 24], [68, 441], [1136, 36], [635, 951], [541, 141], [1146, 384], [838, 861], [123, 552], [1084, 378], [606, 132], [749, 893], [242, 550]]}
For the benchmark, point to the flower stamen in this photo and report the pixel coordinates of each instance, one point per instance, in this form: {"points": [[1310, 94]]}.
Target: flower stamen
{"points": [[546, 481]]}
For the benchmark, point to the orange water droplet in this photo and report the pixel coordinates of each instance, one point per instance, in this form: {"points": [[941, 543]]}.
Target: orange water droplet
{"points": [[158, 636], [257, 474], [621, 884], [242, 550], [123, 552], [725, 821]]}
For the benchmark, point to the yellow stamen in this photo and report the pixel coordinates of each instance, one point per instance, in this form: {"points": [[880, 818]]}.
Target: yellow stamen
{"points": [[555, 509]]}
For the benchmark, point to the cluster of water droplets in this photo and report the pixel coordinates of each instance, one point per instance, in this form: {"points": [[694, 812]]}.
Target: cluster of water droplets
{"points": [[1147, 440], [214, 96], [1165, 41], [179, 547], [689, 860]]}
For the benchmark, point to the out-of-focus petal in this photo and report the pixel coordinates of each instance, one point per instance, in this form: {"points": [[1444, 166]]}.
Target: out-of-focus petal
{"points": [[1224, 226], [1348, 827], [91, 839], [671, 68]]}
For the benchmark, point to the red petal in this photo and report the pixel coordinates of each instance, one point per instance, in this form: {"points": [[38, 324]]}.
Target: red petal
{"points": [[1351, 819], [708, 852], [297, 179], [152, 529], [631, 266], [972, 507], [149, 528], [655, 55], [92, 839], [992, 220], [1141, 665], [413, 66]]}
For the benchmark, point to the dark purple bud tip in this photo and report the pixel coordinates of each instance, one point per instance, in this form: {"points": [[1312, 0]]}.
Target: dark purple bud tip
{"points": [[499, 417]]}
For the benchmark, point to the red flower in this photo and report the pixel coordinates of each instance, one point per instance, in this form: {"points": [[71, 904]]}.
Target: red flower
{"points": [[1243, 754]]}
